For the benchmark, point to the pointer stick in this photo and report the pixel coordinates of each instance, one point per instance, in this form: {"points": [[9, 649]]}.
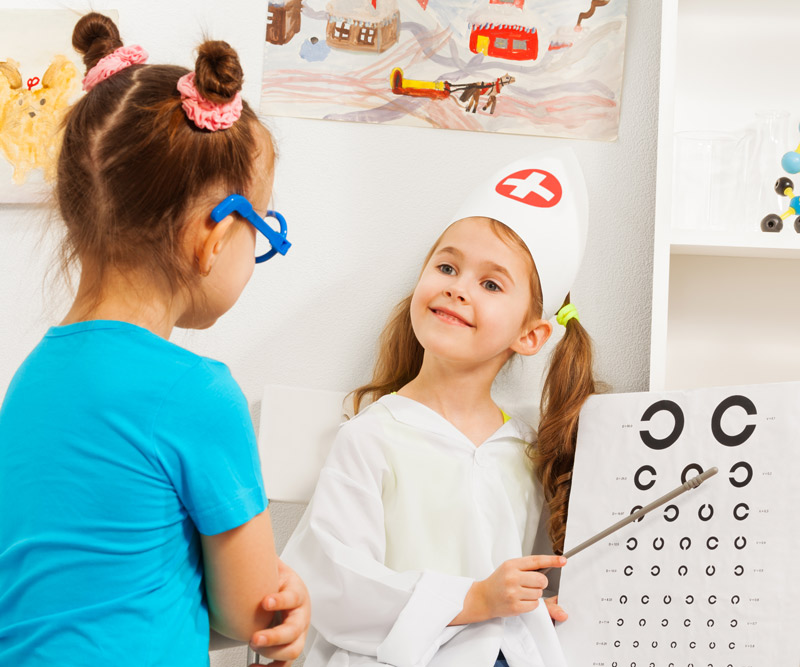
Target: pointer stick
{"points": [[638, 514]]}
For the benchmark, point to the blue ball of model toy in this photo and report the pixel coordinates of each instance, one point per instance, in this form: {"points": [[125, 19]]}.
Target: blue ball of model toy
{"points": [[795, 204], [791, 162]]}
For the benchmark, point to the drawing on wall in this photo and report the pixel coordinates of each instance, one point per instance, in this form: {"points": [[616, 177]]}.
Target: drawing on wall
{"points": [[709, 578], [40, 77], [541, 67]]}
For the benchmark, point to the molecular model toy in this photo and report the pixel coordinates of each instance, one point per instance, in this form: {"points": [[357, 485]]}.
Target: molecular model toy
{"points": [[785, 188]]}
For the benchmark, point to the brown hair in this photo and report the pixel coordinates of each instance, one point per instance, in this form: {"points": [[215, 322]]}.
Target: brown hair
{"points": [[568, 384], [570, 381], [132, 166]]}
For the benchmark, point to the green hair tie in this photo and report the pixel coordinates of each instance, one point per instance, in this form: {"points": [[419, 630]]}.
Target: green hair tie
{"points": [[566, 314]]}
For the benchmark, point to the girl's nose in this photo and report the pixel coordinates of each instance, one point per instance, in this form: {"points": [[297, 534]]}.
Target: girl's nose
{"points": [[456, 292]]}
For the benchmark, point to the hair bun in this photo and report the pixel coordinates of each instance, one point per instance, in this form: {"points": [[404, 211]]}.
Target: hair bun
{"points": [[218, 72], [95, 36]]}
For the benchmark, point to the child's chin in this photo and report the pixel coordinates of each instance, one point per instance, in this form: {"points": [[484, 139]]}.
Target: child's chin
{"points": [[195, 322]]}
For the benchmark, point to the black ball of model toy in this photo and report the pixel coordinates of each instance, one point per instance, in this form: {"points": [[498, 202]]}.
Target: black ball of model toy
{"points": [[782, 185], [771, 223]]}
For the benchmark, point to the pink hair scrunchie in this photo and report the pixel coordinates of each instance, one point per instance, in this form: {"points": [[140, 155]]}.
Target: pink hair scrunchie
{"points": [[114, 62], [203, 113]]}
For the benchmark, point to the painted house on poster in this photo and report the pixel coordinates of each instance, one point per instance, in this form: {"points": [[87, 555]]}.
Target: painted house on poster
{"points": [[283, 20], [362, 25], [505, 29]]}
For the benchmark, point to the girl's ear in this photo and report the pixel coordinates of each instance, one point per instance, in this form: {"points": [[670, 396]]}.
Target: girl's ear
{"points": [[533, 337], [209, 241]]}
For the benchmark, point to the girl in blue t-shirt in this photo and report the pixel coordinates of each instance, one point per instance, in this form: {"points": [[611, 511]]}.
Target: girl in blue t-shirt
{"points": [[132, 510]]}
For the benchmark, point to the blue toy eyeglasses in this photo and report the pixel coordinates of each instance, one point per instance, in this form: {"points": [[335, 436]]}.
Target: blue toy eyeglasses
{"points": [[240, 205]]}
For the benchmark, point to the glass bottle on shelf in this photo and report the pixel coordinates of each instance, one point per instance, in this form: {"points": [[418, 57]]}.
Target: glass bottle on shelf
{"points": [[708, 180], [764, 168]]}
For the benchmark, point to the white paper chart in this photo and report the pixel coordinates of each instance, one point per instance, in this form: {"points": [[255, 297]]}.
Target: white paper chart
{"points": [[710, 579]]}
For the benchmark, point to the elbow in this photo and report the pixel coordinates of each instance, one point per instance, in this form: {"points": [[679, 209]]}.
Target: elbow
{"points": [[241, 626]]}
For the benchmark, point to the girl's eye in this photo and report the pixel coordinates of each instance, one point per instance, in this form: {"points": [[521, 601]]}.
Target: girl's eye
{"points": [[446, 269], [492, 286]]}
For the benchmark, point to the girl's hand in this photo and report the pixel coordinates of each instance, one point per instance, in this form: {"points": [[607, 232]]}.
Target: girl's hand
{"points": [[557, 613], [284, 642], [512, 589], [515, 587]]}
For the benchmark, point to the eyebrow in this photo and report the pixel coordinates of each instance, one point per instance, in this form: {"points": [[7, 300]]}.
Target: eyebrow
{"points": [[491, 266], [496, 268], [451, 251]]}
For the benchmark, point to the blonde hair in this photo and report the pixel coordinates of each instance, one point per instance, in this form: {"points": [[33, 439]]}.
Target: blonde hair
{"points": [[569, 383]]}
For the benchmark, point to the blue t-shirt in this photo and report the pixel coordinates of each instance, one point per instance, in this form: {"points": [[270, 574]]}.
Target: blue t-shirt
{"points": [[116, 448]]}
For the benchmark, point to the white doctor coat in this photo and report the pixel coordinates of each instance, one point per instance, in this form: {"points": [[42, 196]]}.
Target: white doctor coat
{"points": [[407, 514]]}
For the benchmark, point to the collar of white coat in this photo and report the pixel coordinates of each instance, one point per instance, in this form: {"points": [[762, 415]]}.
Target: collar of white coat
{"points": [[411, 412]]}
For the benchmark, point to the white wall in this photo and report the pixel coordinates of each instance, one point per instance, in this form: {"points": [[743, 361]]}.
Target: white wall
{"points": [[363, 204], [739, 301], [743, 53]]}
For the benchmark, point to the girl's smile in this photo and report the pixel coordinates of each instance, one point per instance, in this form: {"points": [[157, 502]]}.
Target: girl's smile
{"points": [[450, 317]]}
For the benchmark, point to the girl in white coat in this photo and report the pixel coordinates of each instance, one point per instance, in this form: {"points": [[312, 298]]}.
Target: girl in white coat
{"points": [[415, 547]]}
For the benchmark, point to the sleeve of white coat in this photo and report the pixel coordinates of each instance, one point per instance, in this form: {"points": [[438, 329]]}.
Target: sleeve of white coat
{"points": [[338, 548]]}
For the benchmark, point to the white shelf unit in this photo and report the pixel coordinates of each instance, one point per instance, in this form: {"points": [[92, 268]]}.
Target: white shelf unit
{"points": [[726, 304], [784, 245]]}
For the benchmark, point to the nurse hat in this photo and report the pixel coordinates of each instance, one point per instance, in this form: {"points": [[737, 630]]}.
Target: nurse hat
{"points": [[543, 199]]}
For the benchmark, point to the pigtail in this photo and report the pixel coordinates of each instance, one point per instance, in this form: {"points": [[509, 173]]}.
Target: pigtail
{"points": [[399, 357], [570, 381], [218, 72], [95, 36], [211, 96]]}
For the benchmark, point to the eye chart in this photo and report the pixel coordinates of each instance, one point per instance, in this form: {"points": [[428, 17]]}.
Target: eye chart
{"points": [[710, 579]]}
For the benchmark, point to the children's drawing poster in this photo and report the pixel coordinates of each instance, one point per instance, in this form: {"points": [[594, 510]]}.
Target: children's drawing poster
{"points": [[709, 579], [540, 67], [40, 76]]}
